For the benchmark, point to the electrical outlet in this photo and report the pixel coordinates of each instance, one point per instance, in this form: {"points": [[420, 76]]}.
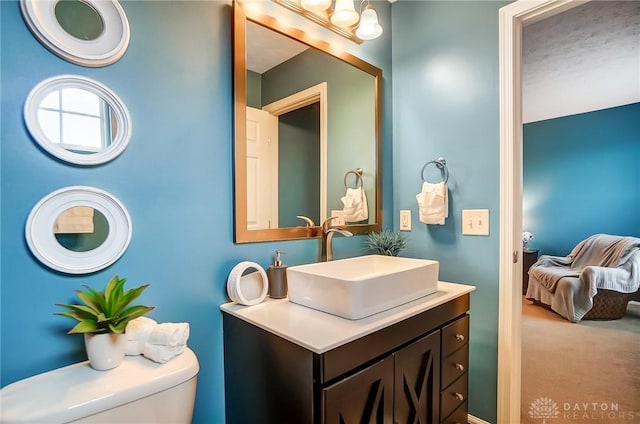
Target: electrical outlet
{"points": [[340, 218], [475, 222], [405, 220]]}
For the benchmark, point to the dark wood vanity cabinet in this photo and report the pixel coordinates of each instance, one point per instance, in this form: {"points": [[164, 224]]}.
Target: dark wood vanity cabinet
{"points": [[413, 371]]}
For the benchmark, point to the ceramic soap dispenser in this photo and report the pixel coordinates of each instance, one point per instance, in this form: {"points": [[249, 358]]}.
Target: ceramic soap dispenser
{"points": [[277, 275]]}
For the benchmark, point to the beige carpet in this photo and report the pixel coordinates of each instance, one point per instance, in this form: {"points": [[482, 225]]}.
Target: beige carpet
{"points": [[588, 372]]}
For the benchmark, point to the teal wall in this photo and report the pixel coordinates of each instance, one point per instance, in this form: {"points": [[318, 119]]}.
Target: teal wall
{"points": [[581, 177], [175, 179], [445, 103], [299, 165], [254, 90]]}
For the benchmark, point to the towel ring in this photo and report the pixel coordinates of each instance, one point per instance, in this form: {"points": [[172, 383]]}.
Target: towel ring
{"points": [[441, 163], [358, 173]]}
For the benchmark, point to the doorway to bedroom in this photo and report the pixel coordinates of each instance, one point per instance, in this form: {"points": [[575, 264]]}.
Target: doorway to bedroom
{"points": [[581, 141]]}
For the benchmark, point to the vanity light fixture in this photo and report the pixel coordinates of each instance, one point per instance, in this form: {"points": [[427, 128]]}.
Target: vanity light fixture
{"points": [[342, 19], [344, 14], [315, 5], [369, 27]]}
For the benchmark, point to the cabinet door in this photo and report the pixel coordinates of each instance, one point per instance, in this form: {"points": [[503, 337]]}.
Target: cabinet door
{"points": [[364, 398], [417, 381]]}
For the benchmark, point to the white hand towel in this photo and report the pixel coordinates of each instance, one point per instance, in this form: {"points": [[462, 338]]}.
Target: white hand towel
{"points": [[160, 353], [355, 205], [140, 328], [433, 203], [169, 334]]}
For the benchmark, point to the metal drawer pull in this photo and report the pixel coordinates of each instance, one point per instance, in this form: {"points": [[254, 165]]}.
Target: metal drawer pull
{"points": [[459, 336], [460, 367], [458, 396]]}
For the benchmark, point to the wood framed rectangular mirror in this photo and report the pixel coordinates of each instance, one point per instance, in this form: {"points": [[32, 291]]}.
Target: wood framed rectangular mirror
{"points": [[303, 121]]}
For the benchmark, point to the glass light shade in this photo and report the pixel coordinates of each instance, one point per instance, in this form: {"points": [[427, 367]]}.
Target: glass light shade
{"points": [[315, 5], [369, 27], [344, 14]]}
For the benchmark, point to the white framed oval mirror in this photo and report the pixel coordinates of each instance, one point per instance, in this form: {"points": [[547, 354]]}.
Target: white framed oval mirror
{"points": [[77, 119], [85, 32], [78, 230]]}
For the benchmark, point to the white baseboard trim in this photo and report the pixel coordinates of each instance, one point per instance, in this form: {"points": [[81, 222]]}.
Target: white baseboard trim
{"points": [[475, 420]]}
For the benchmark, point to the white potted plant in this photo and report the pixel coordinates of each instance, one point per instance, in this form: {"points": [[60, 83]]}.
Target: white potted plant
{"points": [[103, 319]]}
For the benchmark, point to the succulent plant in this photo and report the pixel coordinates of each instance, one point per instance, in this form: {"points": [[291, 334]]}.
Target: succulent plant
{"points": [[105, 312], [385, 242]]}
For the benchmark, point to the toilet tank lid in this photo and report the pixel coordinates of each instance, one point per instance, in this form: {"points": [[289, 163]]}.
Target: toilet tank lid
{"points": [[78, 391]]}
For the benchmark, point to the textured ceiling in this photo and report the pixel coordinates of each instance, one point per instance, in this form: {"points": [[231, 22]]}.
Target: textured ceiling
{"points": [[586, 58], [267, 48]]}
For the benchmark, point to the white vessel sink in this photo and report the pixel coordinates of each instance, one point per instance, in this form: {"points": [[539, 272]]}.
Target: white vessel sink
{"points": [[355, 288]]}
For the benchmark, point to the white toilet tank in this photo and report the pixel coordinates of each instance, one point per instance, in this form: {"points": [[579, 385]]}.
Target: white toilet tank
{"points": [[137, 391]]}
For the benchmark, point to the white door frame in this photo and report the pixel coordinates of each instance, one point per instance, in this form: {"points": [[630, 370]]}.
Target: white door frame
{"points": [[512, 18], [317, 93]]}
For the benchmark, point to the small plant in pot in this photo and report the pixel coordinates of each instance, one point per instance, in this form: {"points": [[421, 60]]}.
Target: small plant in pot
{"points": [[102, 318], [385, 242]]}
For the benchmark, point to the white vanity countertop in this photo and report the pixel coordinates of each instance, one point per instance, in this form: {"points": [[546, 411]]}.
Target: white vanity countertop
{"points": [[320, 332]]}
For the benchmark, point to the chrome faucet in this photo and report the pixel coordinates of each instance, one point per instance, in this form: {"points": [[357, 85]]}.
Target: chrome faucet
{"points": [[327, 236]]}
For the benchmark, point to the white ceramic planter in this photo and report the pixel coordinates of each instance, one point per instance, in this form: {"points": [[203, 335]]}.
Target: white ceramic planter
{"points": [[105, 351]]}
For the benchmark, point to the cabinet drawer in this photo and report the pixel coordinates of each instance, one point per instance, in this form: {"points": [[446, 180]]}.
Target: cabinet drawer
{"points": [[459, 416], [454, 365], [453, 396], [455, 335]]}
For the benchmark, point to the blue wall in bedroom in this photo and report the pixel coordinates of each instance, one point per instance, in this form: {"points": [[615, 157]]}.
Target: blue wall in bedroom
{"points": [[445, 103], [581, 177], [175, 178]]}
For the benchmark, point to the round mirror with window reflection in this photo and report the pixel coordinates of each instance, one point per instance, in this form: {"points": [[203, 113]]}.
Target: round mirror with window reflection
{"points": [[81, 229], [78, 120]]}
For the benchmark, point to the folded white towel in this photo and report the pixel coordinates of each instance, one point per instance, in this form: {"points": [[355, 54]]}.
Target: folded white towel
{"points": [[140, 328], [169, 334], [355, 205], [160, 353], [433, 203]]}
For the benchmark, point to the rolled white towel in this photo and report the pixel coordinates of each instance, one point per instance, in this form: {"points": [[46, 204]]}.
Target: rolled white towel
{"points": [[134, 347], [169, 334], [140, 328], [161, 353]]}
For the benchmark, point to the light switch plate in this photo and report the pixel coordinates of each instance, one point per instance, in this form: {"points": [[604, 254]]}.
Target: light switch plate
{"points": [[405, 220], [475, 222]]}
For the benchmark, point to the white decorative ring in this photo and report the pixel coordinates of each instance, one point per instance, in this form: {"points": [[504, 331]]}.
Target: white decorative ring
{"points": [[105, 49], [247, 289], [46, 248]]}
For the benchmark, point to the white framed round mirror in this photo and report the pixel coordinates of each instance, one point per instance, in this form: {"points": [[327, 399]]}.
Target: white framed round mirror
{"points": [[77, 119], [85, 32], [78, 230]]}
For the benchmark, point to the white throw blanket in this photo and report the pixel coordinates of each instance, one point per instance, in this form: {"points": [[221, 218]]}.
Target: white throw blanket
{"points": [[433, 203], [601, 261]]}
